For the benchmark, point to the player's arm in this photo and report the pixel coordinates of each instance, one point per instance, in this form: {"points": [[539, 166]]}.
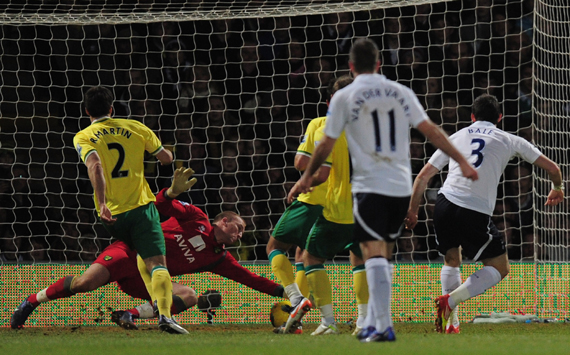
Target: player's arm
{"points": [[420, 185], [556, 194], [301, 163], [231, 269], [440, 140], [164, 156], [97, 178], [320, 154]]}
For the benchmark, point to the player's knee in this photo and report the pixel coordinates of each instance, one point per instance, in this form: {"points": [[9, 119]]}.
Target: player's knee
{"points": [[83, 284], [504, 270], [188, 295]]}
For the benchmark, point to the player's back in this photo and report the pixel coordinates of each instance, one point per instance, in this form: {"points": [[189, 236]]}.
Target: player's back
{"points": [[120, 144], [489, 150], [378, 114]]}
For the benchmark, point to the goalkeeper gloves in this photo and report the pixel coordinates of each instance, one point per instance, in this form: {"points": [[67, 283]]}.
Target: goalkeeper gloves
{"points": [[180, 182]]}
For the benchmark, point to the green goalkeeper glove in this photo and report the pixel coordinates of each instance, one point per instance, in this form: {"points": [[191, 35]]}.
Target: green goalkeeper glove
{"points": [[180, 182]]}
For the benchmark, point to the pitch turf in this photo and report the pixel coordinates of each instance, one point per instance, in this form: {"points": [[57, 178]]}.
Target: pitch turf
{"points": [[222, 339]]}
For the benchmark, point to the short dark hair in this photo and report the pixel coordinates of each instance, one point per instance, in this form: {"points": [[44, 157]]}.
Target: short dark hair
{"points": [[338, 83], [486, 108], [364, 56], [98, 101]]}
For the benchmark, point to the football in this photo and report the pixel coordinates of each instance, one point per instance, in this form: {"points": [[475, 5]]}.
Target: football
{"points": [[277, 315]]}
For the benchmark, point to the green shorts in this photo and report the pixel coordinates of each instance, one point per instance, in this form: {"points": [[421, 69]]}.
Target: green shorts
{"points": [[327, 239], [140, 229], [296, 222]]}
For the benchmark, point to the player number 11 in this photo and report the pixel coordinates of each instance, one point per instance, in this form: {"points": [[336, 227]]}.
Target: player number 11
{"points": [[392, 128]]}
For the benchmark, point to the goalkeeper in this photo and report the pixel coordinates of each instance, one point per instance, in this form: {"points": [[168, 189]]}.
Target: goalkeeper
{"points": [[193, 245]]}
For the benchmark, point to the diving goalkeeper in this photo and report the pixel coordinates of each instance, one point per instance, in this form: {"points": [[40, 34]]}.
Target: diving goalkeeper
{"points": [[193, 245]]}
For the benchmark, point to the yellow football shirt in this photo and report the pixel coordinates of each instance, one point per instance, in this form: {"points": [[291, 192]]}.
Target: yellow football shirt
{"points": [[307, 147], [120, 144], [338, 207]]}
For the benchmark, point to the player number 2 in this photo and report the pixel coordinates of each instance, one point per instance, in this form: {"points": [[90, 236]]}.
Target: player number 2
{"points": [[376, 121], [117, 172], [477, 151]]}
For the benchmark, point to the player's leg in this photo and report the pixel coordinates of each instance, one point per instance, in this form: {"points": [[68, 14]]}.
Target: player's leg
{"points": [[376, 254], [325, 240], [494, 270], [360, 286], [282, 268], [148, 240], [300, 275], [183, 297], [480, 240], [291, 229], [93, 278], [378, 224], [450, 280]]}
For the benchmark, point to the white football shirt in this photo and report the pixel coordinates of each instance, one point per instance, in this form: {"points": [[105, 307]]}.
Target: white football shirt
{"points": [[488, 149], [376, 114]]}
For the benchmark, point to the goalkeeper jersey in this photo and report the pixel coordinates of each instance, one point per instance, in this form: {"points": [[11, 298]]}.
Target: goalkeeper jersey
{"points": [[120, 144], [489, 149], [307, 147]]}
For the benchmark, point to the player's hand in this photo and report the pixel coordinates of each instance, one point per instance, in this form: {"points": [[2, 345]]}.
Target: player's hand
{"points": [[180, 182], [554, 197], [301, 186], [106, 216], [469, 172], [411, 219]]}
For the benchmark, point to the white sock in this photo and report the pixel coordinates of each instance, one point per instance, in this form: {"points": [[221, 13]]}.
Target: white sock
{"points": [[145, 311], [476, 284], [294, 294], [362, 313], [450, 280], [41, 296], [327, 314], [379, 289]]}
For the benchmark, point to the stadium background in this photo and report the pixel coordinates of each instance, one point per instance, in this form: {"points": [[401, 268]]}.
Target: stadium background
{"points": [[230, 92]]}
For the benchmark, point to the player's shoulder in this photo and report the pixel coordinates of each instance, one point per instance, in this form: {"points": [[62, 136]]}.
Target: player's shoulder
{"points": [[316, 123]]}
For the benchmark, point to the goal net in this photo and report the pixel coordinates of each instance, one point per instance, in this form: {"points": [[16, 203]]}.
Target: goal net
{"points": [[230, 86]]}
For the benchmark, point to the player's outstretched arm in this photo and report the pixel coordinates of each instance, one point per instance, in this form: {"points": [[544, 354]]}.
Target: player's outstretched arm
{"points": [[440, 140], [420, 185], [165, 157], [556, 194], [181, 182]]}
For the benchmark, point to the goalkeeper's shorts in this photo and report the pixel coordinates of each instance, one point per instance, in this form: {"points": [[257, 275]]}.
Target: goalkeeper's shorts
{"points": [[474, 231], [140, 229], [296, 222]]}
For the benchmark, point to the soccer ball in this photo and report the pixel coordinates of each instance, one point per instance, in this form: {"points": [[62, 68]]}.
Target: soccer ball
{"points": [[277, 315]]}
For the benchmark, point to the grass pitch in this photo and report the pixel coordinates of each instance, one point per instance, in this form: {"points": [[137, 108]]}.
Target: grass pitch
{"points": [[221, 339]]}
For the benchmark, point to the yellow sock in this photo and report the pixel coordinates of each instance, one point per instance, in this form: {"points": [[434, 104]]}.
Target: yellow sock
{"points": [[360, 284], [282, 268], [145, 276], [162, 290], [301, 280], [319, 284]]}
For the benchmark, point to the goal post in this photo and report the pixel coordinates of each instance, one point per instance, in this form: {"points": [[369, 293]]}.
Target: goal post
{"points": [[230, 86]]}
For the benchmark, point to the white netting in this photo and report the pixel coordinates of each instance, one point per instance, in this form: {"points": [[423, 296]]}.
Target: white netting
{"points": [[551, 109], [230, 87]]}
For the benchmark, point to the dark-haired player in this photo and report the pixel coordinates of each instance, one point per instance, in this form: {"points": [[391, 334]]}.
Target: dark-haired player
{"points": [[376, 114], [464, 208]]}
